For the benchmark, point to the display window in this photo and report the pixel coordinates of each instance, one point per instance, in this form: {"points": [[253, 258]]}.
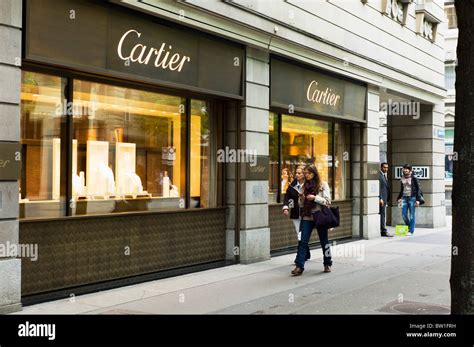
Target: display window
{"points": [[128, 149], [303, 141], [296, 140]]}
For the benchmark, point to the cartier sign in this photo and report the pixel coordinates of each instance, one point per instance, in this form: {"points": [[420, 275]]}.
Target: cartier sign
{"points": [[107, 39], [299, 88], [159, 57], [258, 171], [326, 97]]}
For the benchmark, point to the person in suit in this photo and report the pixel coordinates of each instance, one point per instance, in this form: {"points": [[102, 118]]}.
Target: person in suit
{"points": [[384, 198]]}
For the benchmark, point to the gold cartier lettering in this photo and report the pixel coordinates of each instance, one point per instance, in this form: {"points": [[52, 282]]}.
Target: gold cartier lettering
{"points": [[174, 59], [140, 56], [143, 55], [326, 97]]}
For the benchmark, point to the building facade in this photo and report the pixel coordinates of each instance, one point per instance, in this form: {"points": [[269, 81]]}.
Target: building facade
{"points": [[150, 138]]}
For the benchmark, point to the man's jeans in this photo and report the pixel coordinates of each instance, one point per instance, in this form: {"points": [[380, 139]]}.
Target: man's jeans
{"points": [[408, 204], [306, 230]]}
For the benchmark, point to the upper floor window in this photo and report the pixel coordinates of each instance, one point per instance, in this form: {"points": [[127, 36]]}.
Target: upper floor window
{"points": [[450, 12], [450, 76]]}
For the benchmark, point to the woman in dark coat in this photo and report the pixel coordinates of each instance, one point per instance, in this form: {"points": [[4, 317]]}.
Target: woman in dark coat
{"points": [[291, 206]]}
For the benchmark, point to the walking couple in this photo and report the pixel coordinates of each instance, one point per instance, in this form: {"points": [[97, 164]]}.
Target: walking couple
{"points": [[306, 194]]}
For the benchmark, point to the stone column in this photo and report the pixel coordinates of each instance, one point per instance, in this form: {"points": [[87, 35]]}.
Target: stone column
{"points": [[254, 227], [420, 142], [368, 188], [10, 86]]}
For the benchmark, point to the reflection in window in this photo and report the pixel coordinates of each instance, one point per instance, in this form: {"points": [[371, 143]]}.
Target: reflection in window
{"points": [[202, 165], [42, 189], [128, 150], [309, 141]]}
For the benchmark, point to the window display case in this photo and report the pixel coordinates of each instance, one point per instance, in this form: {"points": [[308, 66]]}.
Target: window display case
{"points": [[128, 150], [100, 182], [128, 183]]}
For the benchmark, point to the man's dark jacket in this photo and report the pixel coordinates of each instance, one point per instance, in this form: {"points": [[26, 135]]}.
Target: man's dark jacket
{"points": [[384, 189]]}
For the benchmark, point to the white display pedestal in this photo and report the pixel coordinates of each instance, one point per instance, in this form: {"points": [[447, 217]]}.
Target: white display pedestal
{"points": [[100, 178], [128, 183]]}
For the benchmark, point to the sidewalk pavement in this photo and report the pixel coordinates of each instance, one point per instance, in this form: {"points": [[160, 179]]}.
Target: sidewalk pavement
{"points": [[403, 274]]}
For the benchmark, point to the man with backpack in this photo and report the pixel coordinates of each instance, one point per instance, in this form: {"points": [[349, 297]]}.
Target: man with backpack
{"points": [[410, 196]]}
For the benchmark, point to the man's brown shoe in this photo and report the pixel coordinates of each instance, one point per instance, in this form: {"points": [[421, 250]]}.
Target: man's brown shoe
{"points": [[327, 268], [297, 271]]}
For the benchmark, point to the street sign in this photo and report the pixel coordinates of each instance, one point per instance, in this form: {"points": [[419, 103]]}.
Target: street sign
{"points": [[420, 172]]}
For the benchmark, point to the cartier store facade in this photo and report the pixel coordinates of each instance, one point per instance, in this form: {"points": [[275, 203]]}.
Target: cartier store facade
{"points": [[121, 117], [312, 119]]}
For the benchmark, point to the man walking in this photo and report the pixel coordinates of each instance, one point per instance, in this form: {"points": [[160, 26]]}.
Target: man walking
{"points": [[410, 196], [384, 198]]}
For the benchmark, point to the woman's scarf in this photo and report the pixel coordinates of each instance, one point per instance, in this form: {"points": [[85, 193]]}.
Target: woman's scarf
{"points": [[309, 189]]}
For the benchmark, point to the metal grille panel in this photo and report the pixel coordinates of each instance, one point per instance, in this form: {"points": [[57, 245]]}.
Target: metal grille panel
{"points": [[80, 251]]}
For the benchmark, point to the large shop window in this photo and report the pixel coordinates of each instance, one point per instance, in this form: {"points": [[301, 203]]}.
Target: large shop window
{"points": [[298, 141], [305, 140], [128, 149]]}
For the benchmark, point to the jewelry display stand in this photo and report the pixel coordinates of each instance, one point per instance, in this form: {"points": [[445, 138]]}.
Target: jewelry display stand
{"points": [[128, 183], [100, 178]]}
